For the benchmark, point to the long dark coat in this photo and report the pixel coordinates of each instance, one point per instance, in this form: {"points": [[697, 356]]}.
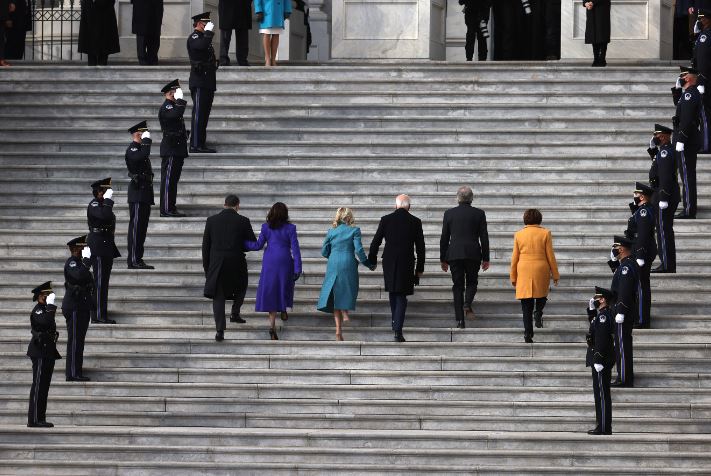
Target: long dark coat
{"points": [[98, 31], [403, 233], [147, 17], [223, 252], [235, 14], [597, 22]]}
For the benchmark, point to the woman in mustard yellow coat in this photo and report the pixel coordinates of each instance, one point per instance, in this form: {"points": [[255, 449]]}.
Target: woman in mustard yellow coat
{"points": [[532, 266]]}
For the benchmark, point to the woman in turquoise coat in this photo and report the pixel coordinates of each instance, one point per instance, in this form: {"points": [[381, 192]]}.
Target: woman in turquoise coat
{"points": [[340, 285], [271, 15]]}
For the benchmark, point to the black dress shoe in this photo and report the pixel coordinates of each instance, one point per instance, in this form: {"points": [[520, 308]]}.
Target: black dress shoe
{"points": [[202, 150], [273, 335], [660, 269], [399, 338], [143, 265], [538, 319], [103, 321], [237, 319], [220, 336], [461, 325], [80, 378], [169, 215], [528, 339], [618, 384], [40, 424], [595, 431]]}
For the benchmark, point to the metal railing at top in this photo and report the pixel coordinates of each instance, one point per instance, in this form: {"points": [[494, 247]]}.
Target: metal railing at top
{"points": [[55, 30]]}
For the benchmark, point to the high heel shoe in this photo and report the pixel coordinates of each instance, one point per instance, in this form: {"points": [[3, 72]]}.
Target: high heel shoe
{"points": [[273, 334], [284, 316], [339, 336]]}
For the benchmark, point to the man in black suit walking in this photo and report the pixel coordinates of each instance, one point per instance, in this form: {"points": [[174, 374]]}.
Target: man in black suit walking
{"points": [[224, 261], [463, 248], [402, 232]]}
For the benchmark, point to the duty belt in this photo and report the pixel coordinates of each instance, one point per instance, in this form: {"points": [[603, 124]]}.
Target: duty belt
{"points": [[99, 230]]}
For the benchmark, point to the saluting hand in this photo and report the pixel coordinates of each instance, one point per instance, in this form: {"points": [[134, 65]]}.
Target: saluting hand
{"points": [[86, 252], [178, 94], [146, 135], [108, 194], [210, 26], [51, 298]]}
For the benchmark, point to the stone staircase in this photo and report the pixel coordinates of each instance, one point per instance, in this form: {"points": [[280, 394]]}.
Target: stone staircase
{"points": [[165, 398]]}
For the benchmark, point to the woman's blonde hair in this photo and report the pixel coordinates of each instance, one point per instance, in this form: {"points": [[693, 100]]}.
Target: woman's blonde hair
{"points": [[343, 215]]}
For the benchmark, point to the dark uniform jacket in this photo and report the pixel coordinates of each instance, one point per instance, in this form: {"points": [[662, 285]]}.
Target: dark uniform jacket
{"points": [[625, 283], [44, 333], [175, 137], [203, 63], [663, 176], [98, 31], [597, 22], [138, 161], [147, 17], [688, 115], [475, 11], [640, 228], [235, 14], [78, 285], [600, 338], [403, 233], [102, 225], [223, 252], [464, 234]]}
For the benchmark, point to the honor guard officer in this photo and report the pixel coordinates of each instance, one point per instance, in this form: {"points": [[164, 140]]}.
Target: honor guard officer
{"points": [[640, 229], [701, 59], [203, 82], [102, 225], [687, 136], [77, 305], [625, 282], [601, 356], [173, 147], [140, 193], [663, 179], [43, 352]]}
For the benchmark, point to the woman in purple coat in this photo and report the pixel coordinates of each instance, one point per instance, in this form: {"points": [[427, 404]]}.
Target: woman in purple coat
{"points": [[281, 265]]}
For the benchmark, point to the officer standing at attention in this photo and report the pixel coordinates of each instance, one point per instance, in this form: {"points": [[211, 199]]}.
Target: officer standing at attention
{"points": [[102, 225], [663, 179], [77, 305], [625, 282], [640, 229], [173, 147], [601, 356], [701, 59], [203, 82], [140, 193], [43, 352], [687, 136]]}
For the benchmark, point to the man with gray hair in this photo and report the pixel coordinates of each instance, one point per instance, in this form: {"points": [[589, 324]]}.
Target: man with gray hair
{"points": [[463, 248], [402, 232]]}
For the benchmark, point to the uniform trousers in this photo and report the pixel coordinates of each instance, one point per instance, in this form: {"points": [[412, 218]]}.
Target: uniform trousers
{"points": [[147, 47], [666, 245], [474, 34], [77, 325], [137, 228], [686, 163], [202, 105], [644, 295], [241, 46], [465, 278], [398, 306], [624, 353], [42, 369], [218, 305], [527, 306], [682, 45], [170, 168], [603, 401], [101, 266]]}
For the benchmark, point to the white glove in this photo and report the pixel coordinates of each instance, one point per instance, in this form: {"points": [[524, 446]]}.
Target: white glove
{"points": [[652, 145], [620, 318], [598, 368], [701, 88], [612, 256], [591, 304], [640, 262], [51, 298], [697, 28], [680, 147], [210, 26], [663, 205], [86, 252], [108, 194], [146, 135], [178, 94], [677, 85]]}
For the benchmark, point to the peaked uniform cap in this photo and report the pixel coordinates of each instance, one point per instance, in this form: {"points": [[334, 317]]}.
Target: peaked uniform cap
{"points": [[78, 241], [103, 183], [660, 129], [140, 127], [42, 288], [174, 84], [643, 188], [622, 241], [687, 70], [704, 12], [205, 16], [606, 293]]}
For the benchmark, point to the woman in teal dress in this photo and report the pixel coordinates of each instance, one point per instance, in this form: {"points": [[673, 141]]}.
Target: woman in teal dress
{"points": [[340, 285]]}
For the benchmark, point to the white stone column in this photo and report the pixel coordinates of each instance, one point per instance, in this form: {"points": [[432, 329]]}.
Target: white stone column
{"points": [[320, 23], [641, 29]]}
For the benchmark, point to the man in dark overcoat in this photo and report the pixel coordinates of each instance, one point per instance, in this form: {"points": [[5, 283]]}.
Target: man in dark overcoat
{"points": [[224, 262], [403, 233], [98, 31], [597, 28], [235, 15], [146, 24]]}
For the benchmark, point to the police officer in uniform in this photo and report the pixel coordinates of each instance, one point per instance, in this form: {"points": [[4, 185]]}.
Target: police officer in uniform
{"points": [[43, 352], [625, 284], [640, 229], [173, 147], [140, 193], [77, 305], [601, 356], [701, 59], [146, 24], [203, 82], [102, 225], [664, 181], [687, 136]]}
